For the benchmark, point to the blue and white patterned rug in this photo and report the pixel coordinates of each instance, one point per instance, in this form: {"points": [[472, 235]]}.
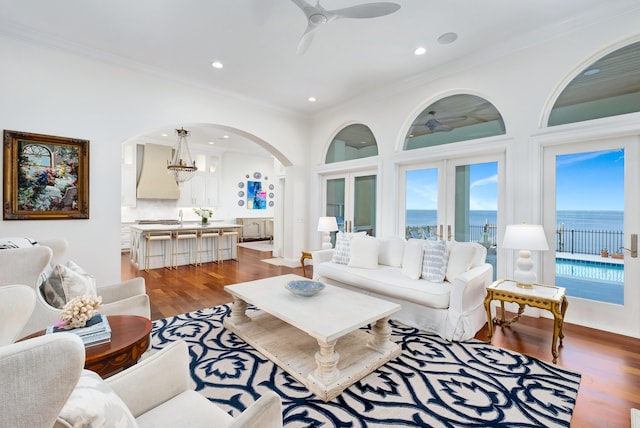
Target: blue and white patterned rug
{"points": [[433, 383]]}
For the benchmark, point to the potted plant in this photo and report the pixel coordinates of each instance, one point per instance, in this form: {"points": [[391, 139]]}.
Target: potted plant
{"points": [[617, 256], [604, 252]]}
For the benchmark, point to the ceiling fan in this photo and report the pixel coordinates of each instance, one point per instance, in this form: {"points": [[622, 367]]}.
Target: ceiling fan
{"points": [[441, 124], [318, 16]]}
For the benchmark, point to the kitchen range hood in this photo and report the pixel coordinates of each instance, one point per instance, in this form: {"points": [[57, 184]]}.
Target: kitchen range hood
{"points": [[155, 182]]}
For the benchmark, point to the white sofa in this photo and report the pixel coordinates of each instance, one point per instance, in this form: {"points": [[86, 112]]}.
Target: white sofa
{"points": [[27, 266], [453, 308]]}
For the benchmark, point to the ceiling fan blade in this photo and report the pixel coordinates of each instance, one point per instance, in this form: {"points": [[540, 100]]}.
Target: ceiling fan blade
{"points": [[367, 10], [306, 39]]}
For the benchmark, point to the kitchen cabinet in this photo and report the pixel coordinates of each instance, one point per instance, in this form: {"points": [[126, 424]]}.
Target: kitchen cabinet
{"points": [[256, 228], [128, 176], [200, 191]]}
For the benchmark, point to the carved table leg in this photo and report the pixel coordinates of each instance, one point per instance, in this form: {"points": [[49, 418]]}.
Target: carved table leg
{"points": [[381, 334], [506, 323], [558, 310], [487, 307], [327, 361], [238, 311]]}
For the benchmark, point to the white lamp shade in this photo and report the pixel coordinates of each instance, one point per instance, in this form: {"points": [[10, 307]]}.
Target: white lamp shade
{"points": [[525, 237], [327, 224]]}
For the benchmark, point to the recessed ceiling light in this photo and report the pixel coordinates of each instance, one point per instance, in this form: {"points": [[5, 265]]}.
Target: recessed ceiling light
{"points": [[164, 135], [216, 64], [211, 142], [419, 50], [225, 136], [447, 38], [591, 72], [312, 99]]}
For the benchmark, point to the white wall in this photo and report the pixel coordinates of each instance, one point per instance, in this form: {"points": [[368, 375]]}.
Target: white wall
{"points": [[49, 91]]}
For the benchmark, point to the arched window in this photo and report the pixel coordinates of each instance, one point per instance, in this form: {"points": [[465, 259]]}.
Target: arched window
{"points": [[454, 118], [352, 142], [37, 156], [608, 87]]}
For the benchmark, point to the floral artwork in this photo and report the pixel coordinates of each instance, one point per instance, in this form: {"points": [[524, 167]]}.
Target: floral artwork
{"points": [[45, 177]]}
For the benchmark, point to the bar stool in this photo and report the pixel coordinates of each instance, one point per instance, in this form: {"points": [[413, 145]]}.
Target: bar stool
{"points": [[207, 244], [163, 238], [191, 238], [227, 237]]}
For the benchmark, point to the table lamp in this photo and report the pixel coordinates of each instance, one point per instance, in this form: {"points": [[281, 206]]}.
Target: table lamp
{"points": [[326, 225], [526, 238]]}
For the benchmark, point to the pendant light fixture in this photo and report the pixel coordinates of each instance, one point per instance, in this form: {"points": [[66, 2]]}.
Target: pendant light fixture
{"points": [[182, 167]]}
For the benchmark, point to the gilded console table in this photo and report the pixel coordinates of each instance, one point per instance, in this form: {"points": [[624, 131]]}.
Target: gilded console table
{"points": [[548, 297]]}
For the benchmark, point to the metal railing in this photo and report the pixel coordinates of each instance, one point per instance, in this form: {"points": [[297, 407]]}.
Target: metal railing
{"points": [[574, 241]]}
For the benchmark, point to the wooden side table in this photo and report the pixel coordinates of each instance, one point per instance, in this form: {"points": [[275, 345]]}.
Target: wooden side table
{"points": [[130, 338], [305, 255], [548, 297]]}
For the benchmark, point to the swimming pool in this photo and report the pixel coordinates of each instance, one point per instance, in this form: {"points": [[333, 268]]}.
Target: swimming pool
{"points": [[592, 270]]}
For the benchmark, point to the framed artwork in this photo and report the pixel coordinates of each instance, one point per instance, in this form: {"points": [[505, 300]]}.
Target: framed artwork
{"points": [[45, 177], [256, 197]]}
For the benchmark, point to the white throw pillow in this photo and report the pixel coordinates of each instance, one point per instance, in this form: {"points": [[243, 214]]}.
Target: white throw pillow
{"points": [[64, 284], [412, 258], [8, 243], [364, 252], [434, 261], [94, 404], [342, 250], [460, 259], [391, 251]]}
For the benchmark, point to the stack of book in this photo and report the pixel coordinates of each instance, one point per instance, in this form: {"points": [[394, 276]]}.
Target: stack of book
{"points": [[95, 332]]}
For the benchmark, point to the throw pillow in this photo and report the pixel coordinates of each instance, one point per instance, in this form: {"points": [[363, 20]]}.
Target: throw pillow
{"points": [[94, 404], [412, 258], [364, 252], [64, 284], [434, 261], [460, 259], [342, 250], [391, 251], [8, 243]]}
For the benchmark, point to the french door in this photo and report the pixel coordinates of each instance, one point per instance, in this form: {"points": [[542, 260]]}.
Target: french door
{"points": [[591, 204], [351, 199], [454, 199]]}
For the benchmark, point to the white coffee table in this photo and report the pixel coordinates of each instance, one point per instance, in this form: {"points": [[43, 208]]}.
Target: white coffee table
{"points": [[315, 339]]}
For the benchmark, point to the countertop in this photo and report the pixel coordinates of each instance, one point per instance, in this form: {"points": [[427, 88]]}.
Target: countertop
{"points": [[187, 225]]}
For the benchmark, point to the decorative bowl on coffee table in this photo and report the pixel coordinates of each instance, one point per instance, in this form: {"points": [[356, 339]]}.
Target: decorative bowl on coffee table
{"points": [[304, 288]]}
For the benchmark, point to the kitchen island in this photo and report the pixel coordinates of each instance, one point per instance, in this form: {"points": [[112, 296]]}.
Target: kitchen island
{"points": [[172, 245]]}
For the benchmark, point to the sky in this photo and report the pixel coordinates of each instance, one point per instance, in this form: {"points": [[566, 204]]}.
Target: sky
{"points": [[589, 181]]}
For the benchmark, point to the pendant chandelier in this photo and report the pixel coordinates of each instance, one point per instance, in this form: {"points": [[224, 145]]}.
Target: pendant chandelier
{"points": [[182, 167]]}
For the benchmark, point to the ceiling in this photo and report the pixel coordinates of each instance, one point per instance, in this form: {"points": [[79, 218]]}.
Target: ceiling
{"points": [[256, 40]]}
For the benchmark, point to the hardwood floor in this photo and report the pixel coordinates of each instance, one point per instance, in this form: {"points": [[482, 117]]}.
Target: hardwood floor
{"points": [[609, 363]]}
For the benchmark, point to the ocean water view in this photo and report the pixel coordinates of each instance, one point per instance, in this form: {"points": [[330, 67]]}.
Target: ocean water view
{"points": [[577, 220], [577, 232]]}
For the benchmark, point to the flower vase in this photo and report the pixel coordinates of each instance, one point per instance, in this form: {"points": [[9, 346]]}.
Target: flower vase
{"points": [[205, 220]]}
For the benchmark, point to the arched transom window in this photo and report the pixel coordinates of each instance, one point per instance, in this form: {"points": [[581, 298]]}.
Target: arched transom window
{"points": [[455, 118], [608, 87], [352, 142]]}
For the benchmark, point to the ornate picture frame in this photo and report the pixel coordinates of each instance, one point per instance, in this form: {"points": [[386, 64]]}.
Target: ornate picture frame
{"points": [[45, 177]]}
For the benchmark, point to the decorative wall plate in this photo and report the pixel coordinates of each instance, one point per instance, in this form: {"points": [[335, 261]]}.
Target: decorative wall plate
{"points": [[271, 195], [257, 175], [240, 202], [241, 194], [271, 187], [270, 203], [241, 184]]}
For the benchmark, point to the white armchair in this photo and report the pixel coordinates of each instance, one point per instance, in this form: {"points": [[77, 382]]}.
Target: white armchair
{"points": [[25, 266], [16, 306], [39, 378]]}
